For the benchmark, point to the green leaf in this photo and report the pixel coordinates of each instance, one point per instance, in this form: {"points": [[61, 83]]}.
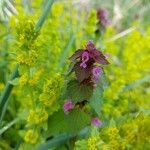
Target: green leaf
{"points": [[135, 84], [45, 14], [57, 141], [5, 95], [96, 100], [57, 123], [73, 122], [65, 52], [78, 92], [112, 123], [14, 81], [9, 125], [77, 120]]}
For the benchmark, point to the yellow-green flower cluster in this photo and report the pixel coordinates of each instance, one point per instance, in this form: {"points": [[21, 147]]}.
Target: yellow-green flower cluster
{"points": [[92, 143], [90, 26], [37, 116], [25, 47], [51, 91], [31, 137], [130, 64]]}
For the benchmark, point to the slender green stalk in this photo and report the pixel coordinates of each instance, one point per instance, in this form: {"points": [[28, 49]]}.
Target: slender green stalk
{"points": [[45, 14], [7, 91], [2, 130], [5, 95]]}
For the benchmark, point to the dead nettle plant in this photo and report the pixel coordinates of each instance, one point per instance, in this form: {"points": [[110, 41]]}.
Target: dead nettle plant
{"points": [[85, 82]]}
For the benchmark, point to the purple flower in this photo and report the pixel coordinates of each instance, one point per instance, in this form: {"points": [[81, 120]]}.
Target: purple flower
{"points": [[83, 64], [96, 122], [96, 71], [68, 105], [90, 46], [84, 59], [85, 56], [102, 15]]}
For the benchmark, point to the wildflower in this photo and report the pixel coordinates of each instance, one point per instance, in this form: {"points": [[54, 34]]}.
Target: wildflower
{"points": [[85, 58], [90, 46], [85, 62], [96, 122], [37, 116], [96, 72], [92, 143], [68, 105], [23, 80], [102, 16], [31, 137]]}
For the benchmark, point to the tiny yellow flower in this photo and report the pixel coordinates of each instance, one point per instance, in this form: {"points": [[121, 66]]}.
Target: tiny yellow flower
{"points": [[92, 141], [31, 137]]}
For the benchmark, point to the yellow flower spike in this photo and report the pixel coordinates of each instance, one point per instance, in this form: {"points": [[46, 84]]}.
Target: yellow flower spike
{"points": [[114, 145], [37, 116], [23, 80], [34, 80], [31, 137], [21, 58], [91, 23], [92, 143], [112, 132], [57, 10]]}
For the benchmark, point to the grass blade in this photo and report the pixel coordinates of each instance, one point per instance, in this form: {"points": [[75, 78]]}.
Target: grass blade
{"points": [[65, 52], [135, 84], [5, 95], [54, 142], [5, 128], [45, 14]]}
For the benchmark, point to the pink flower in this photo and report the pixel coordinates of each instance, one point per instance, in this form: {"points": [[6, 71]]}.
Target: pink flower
{"points": [[96, 122], [96, 71], [68, 105], [83, 64], [84, 59], [85, 56], [90, 46]]}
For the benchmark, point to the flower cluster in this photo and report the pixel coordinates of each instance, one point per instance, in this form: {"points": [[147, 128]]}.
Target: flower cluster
{"points": [[68, 105], [37, 116], [102, 16], [86, 65], [31, 137]]}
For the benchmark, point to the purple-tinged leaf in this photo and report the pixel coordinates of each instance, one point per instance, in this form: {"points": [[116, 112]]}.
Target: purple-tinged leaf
{"points": [[82, 73], [76, 55]]}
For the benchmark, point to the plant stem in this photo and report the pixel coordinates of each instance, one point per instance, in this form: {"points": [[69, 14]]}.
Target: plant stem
{"points": [[5, 95]]}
